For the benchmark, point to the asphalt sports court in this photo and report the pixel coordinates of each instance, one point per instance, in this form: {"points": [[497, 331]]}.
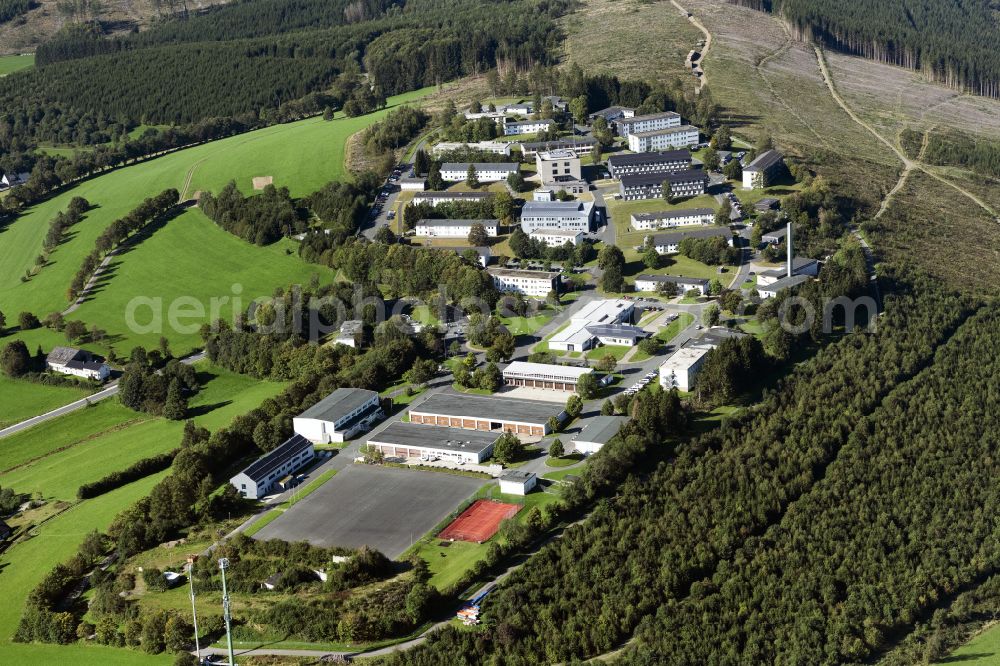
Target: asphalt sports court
{"points": [[386, 508], [479, 522]]}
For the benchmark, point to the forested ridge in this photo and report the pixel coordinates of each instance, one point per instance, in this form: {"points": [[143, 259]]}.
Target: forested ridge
{"points": [[954, 41], [672, 537]]}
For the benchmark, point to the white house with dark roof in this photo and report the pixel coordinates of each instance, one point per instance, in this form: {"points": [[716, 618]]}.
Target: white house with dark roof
{"points": [[486, 172], [517, 482], [565, 215], [612, 113], [759, 173], [771, 289], [670, 242], [9, 180], [650, 122], [672, 218], [650, 185], [626, 164], [511, 128], [598, 432], [680, 283], [339, 416], [77, 362], [528, 283], [675, 137], [260, 478], [432, 228], [800, 266], [776, 237]]}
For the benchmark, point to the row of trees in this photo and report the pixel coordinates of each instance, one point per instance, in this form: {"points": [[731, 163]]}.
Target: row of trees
{"points": [[115, 234], [150, 387]]}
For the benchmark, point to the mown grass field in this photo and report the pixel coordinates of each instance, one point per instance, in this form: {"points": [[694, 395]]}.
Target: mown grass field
{"points": [[56, 457], [189, 258], [13, 63], [22, 400], [982, 650], [302, 156]]}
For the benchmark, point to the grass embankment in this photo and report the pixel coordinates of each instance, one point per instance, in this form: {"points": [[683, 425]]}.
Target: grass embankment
{"points": [[670, 331], [301, 156]]}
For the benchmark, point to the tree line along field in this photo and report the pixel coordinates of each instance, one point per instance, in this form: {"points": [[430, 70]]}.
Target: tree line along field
{"points": [[302, 156], [55, 457]]}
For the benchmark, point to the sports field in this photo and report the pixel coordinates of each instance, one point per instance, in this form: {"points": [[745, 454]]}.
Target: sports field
{"points": [[479, 522], [383, 507], [302, 156]]}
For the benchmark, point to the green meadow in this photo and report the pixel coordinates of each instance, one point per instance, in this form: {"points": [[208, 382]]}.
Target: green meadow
{"points": [[22, 400], [55, 457], [191, 258], [13, 63], [302, 156]]}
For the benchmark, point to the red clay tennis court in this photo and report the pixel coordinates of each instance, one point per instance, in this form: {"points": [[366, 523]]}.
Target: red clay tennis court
{"points": [[480, 521]]}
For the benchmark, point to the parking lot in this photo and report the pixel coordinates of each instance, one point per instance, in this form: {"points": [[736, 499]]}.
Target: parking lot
{"points": [[382, 507]]}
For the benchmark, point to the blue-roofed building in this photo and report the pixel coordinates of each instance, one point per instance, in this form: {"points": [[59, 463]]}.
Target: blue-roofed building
{"points": [[263, 475]]}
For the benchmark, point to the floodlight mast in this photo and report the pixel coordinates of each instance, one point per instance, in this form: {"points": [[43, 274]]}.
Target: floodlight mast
{"points": [[194, 612], [223, 565]]}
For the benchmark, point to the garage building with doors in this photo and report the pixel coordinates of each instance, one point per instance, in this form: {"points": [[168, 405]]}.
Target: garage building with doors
{"points": [[488, 413], [405, 440], [543, 375]]}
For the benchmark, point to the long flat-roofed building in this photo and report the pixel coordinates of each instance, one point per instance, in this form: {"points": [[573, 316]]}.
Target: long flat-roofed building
{"points": [[670, 242], [435, 198], [675, 137], [606, 321], [544, 375], [259, 479], [577, 144], [566, 215], [528, 126], [800, 266], [557, 237], [598, 432], [454, 228], [647, 123], [406, 440], [486, 172], [339, 416], [613, 113], [528, 283], [650, 185], [474, 412], [625, 164], [771, 289], [496, 147], [672, 218]]}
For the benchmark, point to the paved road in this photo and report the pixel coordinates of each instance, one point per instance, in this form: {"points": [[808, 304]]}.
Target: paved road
{"points": [[107, 392]]}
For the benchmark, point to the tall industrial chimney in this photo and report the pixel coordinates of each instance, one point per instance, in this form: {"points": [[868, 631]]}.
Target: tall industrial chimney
{"points": [[788, 244]]}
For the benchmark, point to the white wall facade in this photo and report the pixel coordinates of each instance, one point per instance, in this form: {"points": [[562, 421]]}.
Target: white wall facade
{"points": [[680, 137]]}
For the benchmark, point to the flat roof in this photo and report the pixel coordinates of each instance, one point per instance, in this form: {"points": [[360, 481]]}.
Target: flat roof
{"points": [[555, 207], [649, 116], [568, 233], [548, 369], [616, 330], [430, 222], [557, 154], [558, 143], [338, 404], [417, 435], [671, 214], [668, 130], [656, 157], [798, 263], [263, 466], [601, 429], [777, 233], [516, 475], [603, 310], [452, 195], [765, 160], [513, 272], [547, 121], [492, 408], [685, 357], [674, 279], [700, 232], [659, 178]]}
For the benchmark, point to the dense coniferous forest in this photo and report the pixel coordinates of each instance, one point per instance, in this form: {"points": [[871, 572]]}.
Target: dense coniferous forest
{"points": [[953, 41], [954, 148], [672, 537], [11, 9]]}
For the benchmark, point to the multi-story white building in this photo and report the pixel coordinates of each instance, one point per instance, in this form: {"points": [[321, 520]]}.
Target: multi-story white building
{"points": [[681, 284], [627, 164], [257, 480], [435, 198], [339, 416], [565, 215], [578, 144], [543, 375], [554, 165], [682, 367], [759, 173], [495, 147], [511, 128], [486, 172], [518, 109], [650, 185], [670, 243], [496, 116], [648, 123], [672, 218], [455, 228], [676, 137], [556, 237], [612, 113], [528, 283]]}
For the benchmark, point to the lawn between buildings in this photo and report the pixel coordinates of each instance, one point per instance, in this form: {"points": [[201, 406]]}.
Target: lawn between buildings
{"points": [[302, 156]]}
